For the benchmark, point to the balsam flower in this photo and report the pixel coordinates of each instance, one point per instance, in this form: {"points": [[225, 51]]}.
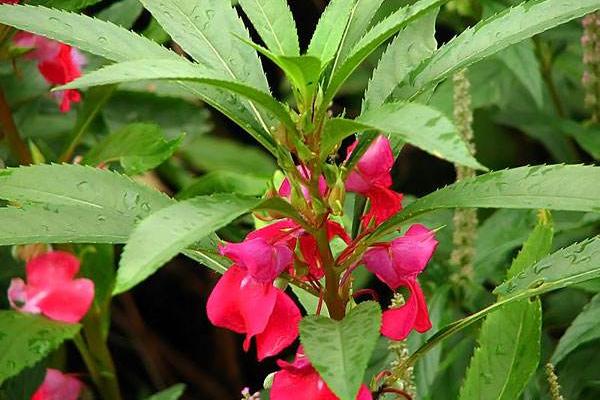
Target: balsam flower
{"points": [[398, 263], [58, 386], [300, 381], [372, 178], [52, 289], [245, 300], [57, 62]]}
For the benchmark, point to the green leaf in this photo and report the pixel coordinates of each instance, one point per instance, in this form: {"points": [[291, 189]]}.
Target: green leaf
{"points": [[303, 72], [206, 30], [98, 264], [138, 147], [95, 36], [72, 203], [167, 232], [584, 329], [26, 339], [554, 187], [330, 30], [172, 393], [340, 350], [309, 301], [275, 24], [361, 16], [225, 182], [419, 125], [497, 33], [375, 38], [25, 384], [577, 263], [130, 71], [117, 44], [503, 364], [411, 46]]}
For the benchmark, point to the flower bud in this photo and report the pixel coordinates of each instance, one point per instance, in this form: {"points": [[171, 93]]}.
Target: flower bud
{"points": [[337, 197]]}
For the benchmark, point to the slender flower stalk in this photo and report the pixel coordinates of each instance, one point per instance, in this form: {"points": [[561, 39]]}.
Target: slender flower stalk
{"points": [[465, 220], [401, 377], [590, 41]]}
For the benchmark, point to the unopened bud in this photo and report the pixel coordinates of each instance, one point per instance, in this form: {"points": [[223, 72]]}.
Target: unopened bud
{"points": [[337, 197], [28, 252], [268, 382]]}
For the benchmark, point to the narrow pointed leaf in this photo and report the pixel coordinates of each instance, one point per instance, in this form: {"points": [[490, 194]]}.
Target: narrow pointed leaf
{"points": [[72, 203], [26, 339], [408, 49], [340, 350], [330, 30], [503, 364], [413, 123], [275, 24], [182, 70], [494, 34], [362, 15], [554, 187], [167, 232], [374, 38]]}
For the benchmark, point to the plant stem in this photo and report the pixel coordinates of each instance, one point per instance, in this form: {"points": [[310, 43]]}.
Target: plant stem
{"points": [[545, 59], [97, 357], [10, 131], [335, 304]]}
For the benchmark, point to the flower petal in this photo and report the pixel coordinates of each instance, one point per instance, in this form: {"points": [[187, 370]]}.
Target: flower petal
{"points": [[384, 204], [256, 303], [51, 269], [378, 260], [282, 328], [222, 306], [397, 323], [69, 302], [412, 252], [58, 386], [263, 261]]}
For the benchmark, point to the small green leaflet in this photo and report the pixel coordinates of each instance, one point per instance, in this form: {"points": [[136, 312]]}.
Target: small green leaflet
{"points": [[502, 364], [225, 182], [172, 393], [26, 339], [496, 33], [413, 123], [340, 350], [553, 187], [274, 22], [584, 329], [138, 147], [167, 232]]}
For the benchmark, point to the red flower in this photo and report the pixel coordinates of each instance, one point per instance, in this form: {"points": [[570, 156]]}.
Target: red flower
{"points": [[300, 381], [246, 305], [285, 190], [58, 63], [397, 264], [9, 1], [372, 178], [58, 386], [51, 289]]}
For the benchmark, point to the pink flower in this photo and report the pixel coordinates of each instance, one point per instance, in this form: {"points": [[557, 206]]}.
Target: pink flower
{"points": [[300, 381], [51, 289], [9, 1], [372, 178], [397, 264], [58, 386], [246, 305], [58, 63]]}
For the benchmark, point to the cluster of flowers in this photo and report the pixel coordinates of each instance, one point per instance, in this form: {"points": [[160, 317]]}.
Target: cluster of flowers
{"points": [[53, 290], [58, 63], [246, 301]]}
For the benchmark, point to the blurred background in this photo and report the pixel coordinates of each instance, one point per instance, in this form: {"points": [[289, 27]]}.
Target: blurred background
{"points": [[529, 108]]}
